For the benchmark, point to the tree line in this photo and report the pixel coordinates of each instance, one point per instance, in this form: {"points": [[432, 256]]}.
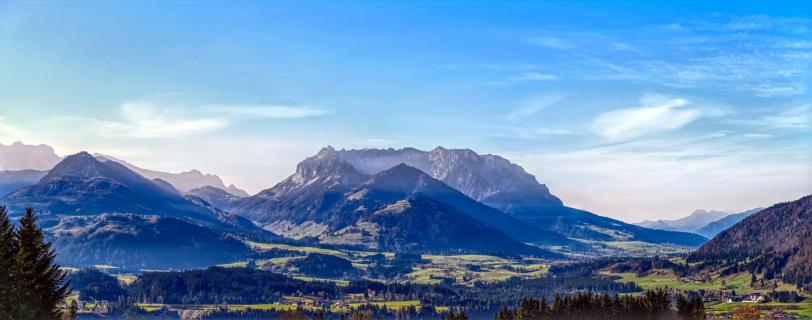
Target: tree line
{"points": [[31, 285], [651, 304]]}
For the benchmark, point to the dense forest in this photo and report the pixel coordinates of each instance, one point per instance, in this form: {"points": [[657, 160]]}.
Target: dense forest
{"points": [[752, 244], [652, 304]]}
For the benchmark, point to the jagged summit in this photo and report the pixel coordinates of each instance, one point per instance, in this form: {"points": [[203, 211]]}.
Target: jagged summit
{"points": [[490, 179], [20, 156]]}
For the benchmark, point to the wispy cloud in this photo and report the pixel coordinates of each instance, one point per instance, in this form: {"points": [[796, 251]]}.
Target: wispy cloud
{"points": [[657, 114], [797, 117], [534, 76], [146, 120], [794, 118], [760, 55], [271, 111], [531, 106], [552, 42]]}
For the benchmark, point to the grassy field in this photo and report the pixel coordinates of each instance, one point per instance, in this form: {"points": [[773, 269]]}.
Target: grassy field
{"points": [[739, 282], [802, 309], [462, 268], [125, 279], [634, 248], [269, 246], [469, 268]]}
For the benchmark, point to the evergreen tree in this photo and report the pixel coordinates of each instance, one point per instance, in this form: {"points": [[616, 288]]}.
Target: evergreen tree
{"points": [[8, 250], [40, 283]]}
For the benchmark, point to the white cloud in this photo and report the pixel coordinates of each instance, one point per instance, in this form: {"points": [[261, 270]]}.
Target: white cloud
{"points": [[532, 106], [145, 120], [553, 132], [758, 135], [658, 114], [797, 117], [535, 76], [551, 42], [272, 111]]}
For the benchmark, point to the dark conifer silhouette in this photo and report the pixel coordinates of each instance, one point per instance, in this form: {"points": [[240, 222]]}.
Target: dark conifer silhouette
{"points": [[37, 285], [7, 253], [651, 304]]}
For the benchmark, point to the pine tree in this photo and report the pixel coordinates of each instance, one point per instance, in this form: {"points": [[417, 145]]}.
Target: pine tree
{"points": [[41, 286], [8, 250]]}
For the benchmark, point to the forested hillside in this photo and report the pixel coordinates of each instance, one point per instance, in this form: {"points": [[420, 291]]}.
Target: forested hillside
{"points": [[776, 242]]}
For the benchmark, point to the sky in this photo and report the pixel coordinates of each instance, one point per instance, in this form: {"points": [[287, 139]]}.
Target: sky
{"points": [[633, 110]]}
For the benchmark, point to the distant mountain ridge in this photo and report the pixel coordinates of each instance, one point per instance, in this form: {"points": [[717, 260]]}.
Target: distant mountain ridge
{"points": [[714, 228], [696, 220], [183, 181], [19, 156]]}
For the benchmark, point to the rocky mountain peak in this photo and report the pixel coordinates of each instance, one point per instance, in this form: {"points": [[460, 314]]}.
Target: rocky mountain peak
{"points": [[20, 156]]}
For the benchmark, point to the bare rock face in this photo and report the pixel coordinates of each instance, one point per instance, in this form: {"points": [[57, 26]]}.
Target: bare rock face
{"points": [[489, 179], [19, 156]]}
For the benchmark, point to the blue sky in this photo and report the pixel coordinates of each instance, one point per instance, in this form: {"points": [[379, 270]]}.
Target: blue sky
{"points": [[634, 110]]}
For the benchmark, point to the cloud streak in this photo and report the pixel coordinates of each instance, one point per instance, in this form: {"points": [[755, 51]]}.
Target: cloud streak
{"points": [[272, 111], [658, 114], [145, 120], [532, 106]]}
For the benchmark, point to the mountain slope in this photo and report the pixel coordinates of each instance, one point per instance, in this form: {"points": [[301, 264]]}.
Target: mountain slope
{"points": [[715, 227], [216, 197], [11, 181], [400, 209], [318, 183], [141, 242], [397, 210], [82, 185], [694, 221], [776, 241], [586, 225]]}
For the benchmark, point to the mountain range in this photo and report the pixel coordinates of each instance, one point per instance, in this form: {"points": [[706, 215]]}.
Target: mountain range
{"points": [[707, 223], [715, 227], [102, 211], [25, 158], [403, 200], [696, 220], [478, 185], [182, 181], [19, 156]]}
